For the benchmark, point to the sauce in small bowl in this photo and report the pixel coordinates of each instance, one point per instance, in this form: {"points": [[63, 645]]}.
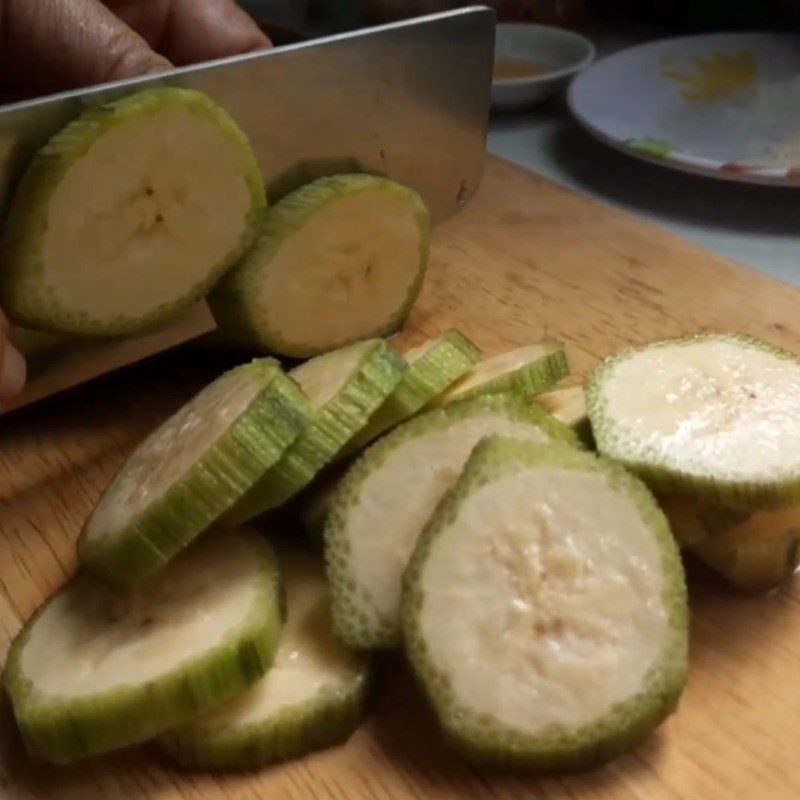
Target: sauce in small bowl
{"points": [[533, 62], [506, 69]]}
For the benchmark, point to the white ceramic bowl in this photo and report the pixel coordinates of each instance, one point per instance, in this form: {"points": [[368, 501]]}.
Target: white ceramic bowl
{"points": [[563, 52]]}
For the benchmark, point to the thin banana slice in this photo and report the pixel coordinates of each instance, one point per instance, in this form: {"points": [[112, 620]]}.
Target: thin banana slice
{"points": [[345, 387], [130, 214], [527, 371], [713, 416], [311, 698], [192, 470], [95, 670], [752, 551], [384, 502], [340, 259], [545, 609], [568, 405], [432, 367]]}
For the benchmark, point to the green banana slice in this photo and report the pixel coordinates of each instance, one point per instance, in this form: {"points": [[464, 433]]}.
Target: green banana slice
{"points": [[715, 416], [311, 698], [340, 259], [545, 609], [192, 470], [528, 371], [345, 387], [383, 503], [568, 405], [129, 215], [752, 551], [432, 367], [96, 670]]}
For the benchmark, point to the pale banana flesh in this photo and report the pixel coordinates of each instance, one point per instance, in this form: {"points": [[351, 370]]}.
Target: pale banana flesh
{"points": [[313, 680], [542, 602], [96, 669], [379, 521], [340, 260], [544, 609], [139, 221], [502, 372], [89, 641], [171, 452], [323, 377], [716, 407], [567, 405]]}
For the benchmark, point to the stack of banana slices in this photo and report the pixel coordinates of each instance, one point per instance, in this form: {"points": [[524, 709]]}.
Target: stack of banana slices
{"points": [[144, 205], [536, 586]]}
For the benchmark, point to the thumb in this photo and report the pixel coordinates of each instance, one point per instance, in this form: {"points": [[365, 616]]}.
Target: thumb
{"points": [[54, 44]]}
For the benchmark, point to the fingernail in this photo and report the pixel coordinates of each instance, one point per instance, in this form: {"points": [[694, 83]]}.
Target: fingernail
{"points": [[13, 373]]}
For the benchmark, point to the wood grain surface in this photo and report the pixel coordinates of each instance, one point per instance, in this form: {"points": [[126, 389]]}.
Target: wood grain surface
{"points": [[525, 260]]}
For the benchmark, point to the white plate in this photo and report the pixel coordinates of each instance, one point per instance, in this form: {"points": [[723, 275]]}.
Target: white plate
{"points": [[564, 54], [725, 105]]}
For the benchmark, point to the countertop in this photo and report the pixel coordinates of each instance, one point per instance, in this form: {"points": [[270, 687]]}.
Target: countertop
{"points": [[757, 226]]}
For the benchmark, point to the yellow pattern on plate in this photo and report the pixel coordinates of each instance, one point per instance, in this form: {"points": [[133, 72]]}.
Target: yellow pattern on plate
{"points": [[713, 77]]}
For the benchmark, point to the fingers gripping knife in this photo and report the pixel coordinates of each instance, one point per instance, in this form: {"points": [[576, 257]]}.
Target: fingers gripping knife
{"points": [[408, 100]]}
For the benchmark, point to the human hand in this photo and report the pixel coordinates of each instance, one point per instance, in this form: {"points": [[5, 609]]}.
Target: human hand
{"points": [[12, 366], [52, 45]]}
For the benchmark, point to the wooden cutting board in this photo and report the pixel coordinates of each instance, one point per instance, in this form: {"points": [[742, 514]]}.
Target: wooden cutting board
{"points": [[526, 260]]}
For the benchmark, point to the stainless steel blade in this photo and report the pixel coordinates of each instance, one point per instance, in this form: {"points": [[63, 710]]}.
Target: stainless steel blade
{"points": [[410, 100]]}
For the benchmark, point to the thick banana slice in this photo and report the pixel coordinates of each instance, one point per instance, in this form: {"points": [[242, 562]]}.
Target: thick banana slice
{"points": [[527, 371], [752, 551], [545, 609], [383, 503], [340, 259], [193, 469], [345, 387], [713, 416], [95, 670], [312, 697], [568, 405], [129, 214], [432, 367]]}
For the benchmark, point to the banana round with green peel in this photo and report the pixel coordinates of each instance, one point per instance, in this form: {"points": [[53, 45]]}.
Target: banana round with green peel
{"points": [[119, 223], [192, 470], [312, 697], [527, 371], [95, 670], [345, 387], [432, 367], [339, 260], [752, 551], [568, 405], [383, 503], [545, 609], [714, 416]]}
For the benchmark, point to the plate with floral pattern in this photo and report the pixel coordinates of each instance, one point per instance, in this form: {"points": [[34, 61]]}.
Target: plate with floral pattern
{"points": [[725, 105]]}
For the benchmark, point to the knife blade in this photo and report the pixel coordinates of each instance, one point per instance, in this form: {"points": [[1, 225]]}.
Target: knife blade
{"points": [[409, 100]]}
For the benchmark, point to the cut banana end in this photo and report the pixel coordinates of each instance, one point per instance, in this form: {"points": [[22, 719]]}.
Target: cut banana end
{"points": [[130, 214], [432, 367], [311, 698], [545, 609], [345, 388], [752, 551], [712, 416], [95, 670], [191, 470], [340, 259], [568, 405], [383, 503], [527, 371]]}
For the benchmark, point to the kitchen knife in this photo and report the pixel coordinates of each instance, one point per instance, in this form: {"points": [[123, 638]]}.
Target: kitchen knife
{"points": [[409, 100]]}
